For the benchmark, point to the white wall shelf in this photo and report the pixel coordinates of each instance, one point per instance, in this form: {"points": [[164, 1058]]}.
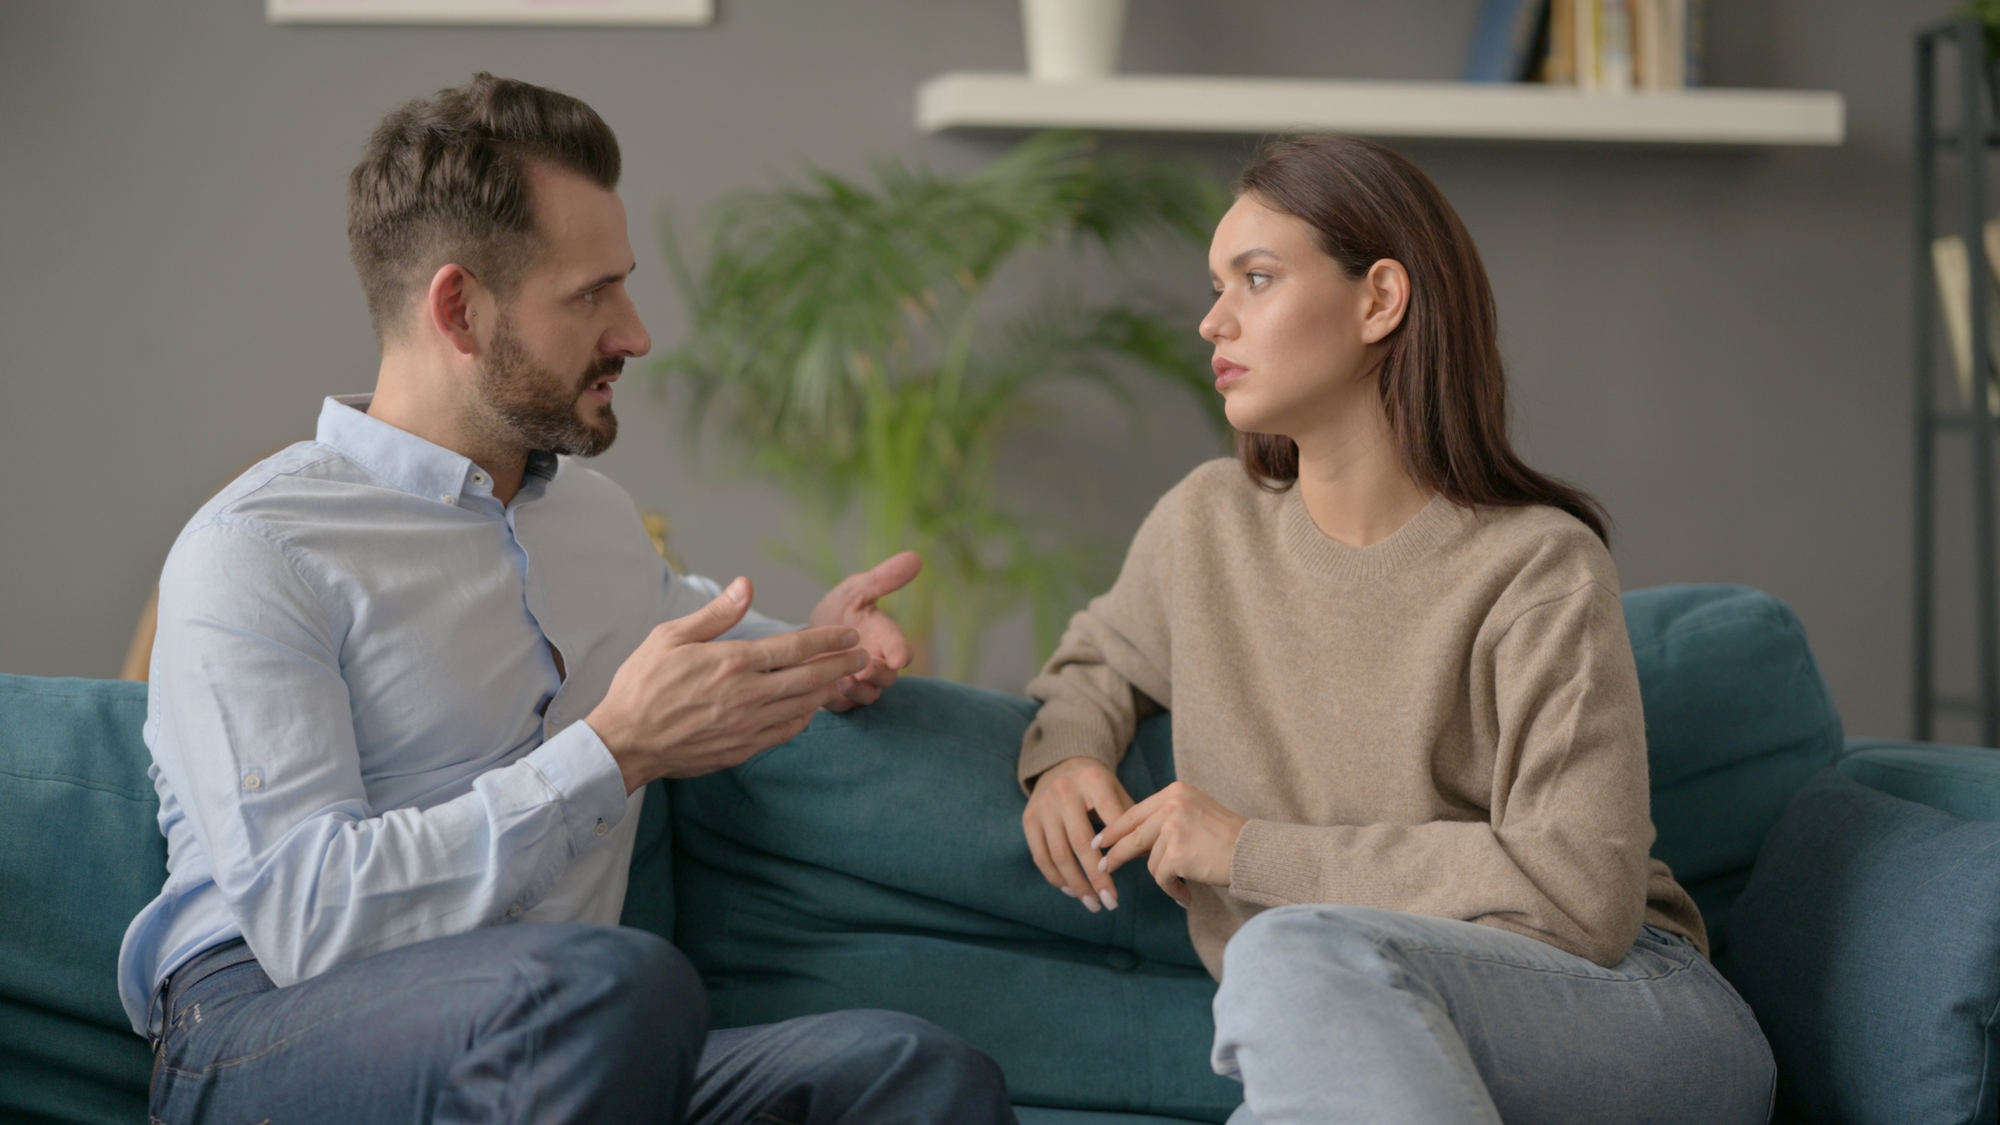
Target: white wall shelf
{"points": [[1510, 111]]}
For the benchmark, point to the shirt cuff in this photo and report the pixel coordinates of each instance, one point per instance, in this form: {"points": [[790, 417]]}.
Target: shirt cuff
{"points": [[587, 781]]}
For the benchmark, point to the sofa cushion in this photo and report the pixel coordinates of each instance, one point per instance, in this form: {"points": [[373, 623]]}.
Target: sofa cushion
{"points": [[1737, 718], [1962, 780], [877, 861], [83, 855], [1868, 944]]}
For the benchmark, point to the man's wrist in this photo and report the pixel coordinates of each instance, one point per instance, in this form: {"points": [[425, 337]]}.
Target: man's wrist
{"points": [[610, 733]]}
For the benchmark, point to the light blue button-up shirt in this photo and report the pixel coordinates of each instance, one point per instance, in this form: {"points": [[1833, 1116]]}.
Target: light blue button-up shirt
{"points": [[359, 735]]}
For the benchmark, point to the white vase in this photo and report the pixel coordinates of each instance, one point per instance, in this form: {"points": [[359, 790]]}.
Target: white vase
{"points": [[1070, 40]]}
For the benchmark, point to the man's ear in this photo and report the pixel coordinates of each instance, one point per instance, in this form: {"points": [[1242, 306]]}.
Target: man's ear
{"points": [[451, 308], [1387, 299]]}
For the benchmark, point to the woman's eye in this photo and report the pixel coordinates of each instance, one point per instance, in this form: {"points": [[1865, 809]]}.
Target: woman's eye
{"points": [[1258, 280]]}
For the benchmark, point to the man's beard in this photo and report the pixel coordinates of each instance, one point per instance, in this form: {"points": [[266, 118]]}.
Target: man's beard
{"points": [[537, 405]]}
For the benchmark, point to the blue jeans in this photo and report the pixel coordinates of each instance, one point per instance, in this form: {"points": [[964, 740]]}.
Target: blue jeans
{"points": [[538, 1023], [1348, 1014]]}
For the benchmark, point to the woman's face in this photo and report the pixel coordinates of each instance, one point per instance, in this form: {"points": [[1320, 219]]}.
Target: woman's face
{"points": [[1294, 336]]}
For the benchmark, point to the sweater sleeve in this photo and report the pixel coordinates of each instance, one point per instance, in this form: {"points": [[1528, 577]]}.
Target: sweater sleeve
{"points": [[1113, 664], [1562, 855]]}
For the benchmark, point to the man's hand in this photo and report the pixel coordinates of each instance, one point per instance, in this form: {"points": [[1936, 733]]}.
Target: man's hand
{"points": [[852, 603], [686, 704], [1186, 835], [1057, 822]]}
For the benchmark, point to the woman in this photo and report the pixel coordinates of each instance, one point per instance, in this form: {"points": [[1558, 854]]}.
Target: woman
{"points": [[1411, 825]]}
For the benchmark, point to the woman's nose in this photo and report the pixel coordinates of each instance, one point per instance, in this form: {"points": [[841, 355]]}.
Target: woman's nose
{"points": [[1216, 325]]}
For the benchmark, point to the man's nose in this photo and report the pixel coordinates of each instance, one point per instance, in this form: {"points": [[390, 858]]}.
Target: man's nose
{"points": [[629, 337]]}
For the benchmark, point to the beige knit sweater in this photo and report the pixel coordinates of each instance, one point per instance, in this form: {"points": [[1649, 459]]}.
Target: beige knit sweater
{"points": [[1446, 722]]}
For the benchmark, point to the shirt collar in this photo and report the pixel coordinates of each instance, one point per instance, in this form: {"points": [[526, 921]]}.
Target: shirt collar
{"points": [[406, 461]]}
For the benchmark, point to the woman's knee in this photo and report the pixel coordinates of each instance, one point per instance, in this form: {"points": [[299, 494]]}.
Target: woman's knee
{"points": [[1274, 944]]}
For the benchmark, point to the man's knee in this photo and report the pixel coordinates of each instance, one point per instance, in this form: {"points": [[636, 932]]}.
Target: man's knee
{"points": [[903, 1047], [615, 986], [629, 981]]}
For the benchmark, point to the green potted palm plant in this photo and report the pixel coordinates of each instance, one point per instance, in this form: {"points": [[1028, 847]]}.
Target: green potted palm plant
{"points": [[845, 334]]}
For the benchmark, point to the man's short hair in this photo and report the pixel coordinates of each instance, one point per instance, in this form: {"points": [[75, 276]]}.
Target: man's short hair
{"points": [[445, 180]]}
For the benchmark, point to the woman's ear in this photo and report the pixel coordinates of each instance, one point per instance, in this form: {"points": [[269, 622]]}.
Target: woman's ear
{"points": [[1386, 298]]}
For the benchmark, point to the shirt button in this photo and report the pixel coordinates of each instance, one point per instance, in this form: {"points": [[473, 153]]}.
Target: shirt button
{"points": [[602, 828], [479, 478], [514, 911], [253, 782], [449, 498]]}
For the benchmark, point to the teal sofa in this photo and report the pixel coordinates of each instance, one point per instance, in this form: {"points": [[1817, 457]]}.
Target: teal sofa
{"points": [[877, 861]]}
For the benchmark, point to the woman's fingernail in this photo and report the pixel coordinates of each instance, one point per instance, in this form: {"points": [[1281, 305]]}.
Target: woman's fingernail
{"points": [[1109, 898], [1097, 841], [1090, 903], [1067, 891], [1104, 865]]}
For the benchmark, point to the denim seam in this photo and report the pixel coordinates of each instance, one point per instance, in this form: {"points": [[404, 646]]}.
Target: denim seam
{"points": [[538, 988], [239, 1060], [1986, 1059]]}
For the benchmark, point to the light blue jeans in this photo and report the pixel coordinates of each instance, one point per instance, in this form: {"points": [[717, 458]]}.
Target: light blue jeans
{"points": [[1348, 1014]]}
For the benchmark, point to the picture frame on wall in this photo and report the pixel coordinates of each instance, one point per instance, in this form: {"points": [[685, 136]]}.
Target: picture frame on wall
{"points": [[614, 13]]}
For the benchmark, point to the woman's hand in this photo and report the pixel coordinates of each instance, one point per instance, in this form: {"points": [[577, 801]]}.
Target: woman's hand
{"points": [[1187, 835], [1057, 821]]}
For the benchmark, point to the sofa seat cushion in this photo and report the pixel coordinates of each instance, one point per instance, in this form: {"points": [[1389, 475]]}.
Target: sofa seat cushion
{"points": [[1737, 718], [877, 861], [83, 854], [1868, 944]]}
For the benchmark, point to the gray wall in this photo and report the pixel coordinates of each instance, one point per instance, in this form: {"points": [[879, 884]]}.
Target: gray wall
{"points": [[1713, 341]]}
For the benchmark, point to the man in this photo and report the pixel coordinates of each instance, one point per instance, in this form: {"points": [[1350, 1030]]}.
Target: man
{"points": [[412, 677]]}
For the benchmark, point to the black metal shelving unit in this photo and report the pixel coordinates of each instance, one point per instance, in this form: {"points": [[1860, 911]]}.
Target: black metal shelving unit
{"points": [[1970, 139]]}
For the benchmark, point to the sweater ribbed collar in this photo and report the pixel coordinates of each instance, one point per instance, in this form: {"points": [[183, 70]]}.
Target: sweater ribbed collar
{"points": [[1424, 533]]}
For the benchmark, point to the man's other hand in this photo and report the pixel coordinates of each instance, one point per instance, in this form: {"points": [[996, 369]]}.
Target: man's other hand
{"points": [[852, 603], [681, 706]]}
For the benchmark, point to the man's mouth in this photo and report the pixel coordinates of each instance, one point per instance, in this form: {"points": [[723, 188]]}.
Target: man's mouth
{"points": [[599, 386]]}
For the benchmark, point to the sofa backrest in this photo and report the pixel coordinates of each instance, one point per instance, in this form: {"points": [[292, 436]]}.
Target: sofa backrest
{"points": [[1737, 718], [82, 854]]}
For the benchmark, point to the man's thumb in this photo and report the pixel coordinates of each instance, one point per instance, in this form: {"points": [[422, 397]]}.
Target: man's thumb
{"points": [[715, 618]]}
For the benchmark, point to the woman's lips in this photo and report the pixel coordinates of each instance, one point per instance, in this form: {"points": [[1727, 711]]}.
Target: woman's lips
{"points": [[1226, 372]]}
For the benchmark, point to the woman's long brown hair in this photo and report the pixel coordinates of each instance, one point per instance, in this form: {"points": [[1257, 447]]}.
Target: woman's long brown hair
{"points": [[1442, 382]]}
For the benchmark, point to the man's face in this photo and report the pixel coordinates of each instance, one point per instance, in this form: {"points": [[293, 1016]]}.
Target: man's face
{"points": [[558, 346]]}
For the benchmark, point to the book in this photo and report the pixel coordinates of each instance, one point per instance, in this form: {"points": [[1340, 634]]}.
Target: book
{"points": [[1559, 57], [1618, 46], [1954, 281], [1614, 47], [1659, 42], [1503, 41]]}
